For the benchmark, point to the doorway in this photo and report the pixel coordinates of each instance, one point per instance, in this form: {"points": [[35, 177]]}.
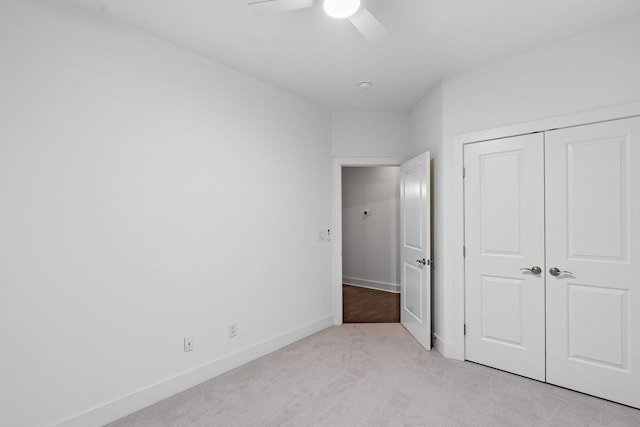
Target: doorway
{"points": [[370, 244], [415, 241], [336, 221]]}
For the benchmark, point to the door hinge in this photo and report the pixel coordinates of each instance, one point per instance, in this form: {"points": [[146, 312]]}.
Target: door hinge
{"points": [[463, 173], [465, 329], [464, 252]]}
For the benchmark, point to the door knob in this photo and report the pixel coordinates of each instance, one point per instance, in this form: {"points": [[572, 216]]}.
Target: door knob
{"points": [[556, 272], [534, 269], [422, 261]]}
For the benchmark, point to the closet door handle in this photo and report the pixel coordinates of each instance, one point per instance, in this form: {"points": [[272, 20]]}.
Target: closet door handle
{"points": [[535, 269], [422, 261], [554, 271]]}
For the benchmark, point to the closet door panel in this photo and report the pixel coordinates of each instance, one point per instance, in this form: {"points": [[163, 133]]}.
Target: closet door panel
{"points": [[504, 235], [593, 239]]}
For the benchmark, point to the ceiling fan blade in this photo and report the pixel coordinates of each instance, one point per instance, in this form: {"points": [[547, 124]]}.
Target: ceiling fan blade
{"points": [[369, 26], [264, 7]]}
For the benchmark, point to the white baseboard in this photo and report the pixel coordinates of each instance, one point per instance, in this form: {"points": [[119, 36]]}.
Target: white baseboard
{"points": [[371, 284], [439, 344], [125, 405], [447, 349]]}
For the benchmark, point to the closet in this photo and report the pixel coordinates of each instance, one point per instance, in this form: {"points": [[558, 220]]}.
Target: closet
{"points": [[552, 257]]}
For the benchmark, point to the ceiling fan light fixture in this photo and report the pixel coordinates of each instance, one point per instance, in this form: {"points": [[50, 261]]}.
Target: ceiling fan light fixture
{"points": [[341, 8]]}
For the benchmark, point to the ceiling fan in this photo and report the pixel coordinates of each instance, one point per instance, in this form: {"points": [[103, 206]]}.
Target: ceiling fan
{"points": [[368, 25]]}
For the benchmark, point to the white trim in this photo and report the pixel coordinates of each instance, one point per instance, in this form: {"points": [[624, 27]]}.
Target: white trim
{"points": [[578, 119], [456, 349], [371, 284], [443, 347], [336, 249], [122, 406]]}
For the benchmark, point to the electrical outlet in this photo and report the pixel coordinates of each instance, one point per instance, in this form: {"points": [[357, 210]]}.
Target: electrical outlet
{"points": [[233, 330], [189, 343]]}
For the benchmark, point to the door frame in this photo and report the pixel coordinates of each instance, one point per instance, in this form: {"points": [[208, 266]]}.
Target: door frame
{"points": [[336, 220], [455, 229]]}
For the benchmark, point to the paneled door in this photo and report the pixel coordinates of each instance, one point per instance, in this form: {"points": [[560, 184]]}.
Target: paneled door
{"points": [[415, 235], [504, 245], [593, 259]]}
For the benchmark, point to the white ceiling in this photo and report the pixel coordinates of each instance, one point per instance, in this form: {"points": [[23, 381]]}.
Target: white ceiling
{"points": [[324, 59]]}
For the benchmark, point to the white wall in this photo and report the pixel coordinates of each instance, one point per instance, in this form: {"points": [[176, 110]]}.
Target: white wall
{"points": [[370, 133], [146, 194], [591, 70], [426, 121], [370, 245]]}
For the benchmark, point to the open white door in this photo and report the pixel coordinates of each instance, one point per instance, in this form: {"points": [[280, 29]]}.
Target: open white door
{"points": [[415, 232]]}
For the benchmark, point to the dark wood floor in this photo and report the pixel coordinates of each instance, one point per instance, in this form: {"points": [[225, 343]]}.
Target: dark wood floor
{"points": [[362, 305]]}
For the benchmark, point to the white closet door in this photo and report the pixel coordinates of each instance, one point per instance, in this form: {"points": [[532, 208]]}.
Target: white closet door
{"points": [[593, 238], [504, 234]]}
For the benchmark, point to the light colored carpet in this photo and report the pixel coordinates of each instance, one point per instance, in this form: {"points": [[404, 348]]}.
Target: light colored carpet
{"points": [[374, 375]]}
